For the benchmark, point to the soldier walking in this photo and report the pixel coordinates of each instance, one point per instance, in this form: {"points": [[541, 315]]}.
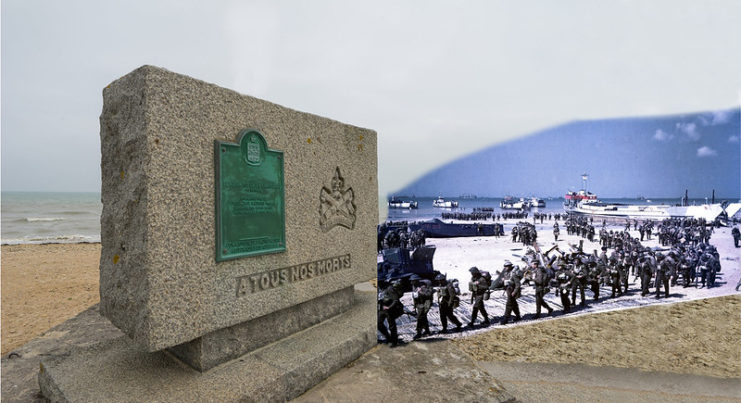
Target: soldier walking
{"points": [[581, 272], [662, 274], [389, 309], [647, 265], [540, 279], [447, 301], [596, 273], [615, 277], [563, 278], [422, 295], [512, 290], [478, 287]]}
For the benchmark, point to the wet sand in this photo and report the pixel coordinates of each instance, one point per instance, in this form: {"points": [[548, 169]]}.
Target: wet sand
{"points": [[44, 285]]}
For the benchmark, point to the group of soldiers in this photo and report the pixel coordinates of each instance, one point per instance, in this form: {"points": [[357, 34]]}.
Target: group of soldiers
{"points": [[475, 216], [689, 261], [674, 230], [541, 217], [400, 238], [580, 226], [516, 215], [524, 232], [483, 209]]}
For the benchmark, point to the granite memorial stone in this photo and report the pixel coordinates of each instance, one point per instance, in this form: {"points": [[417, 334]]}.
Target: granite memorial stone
{"points": [[231, 228]]}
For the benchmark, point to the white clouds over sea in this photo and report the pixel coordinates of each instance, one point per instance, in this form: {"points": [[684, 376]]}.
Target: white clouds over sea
{"points": [[690, 129], [706, 151], [661, 135]]}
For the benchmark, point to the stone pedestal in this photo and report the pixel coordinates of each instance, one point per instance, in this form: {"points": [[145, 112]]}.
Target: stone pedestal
{"points": [[119, 370]]}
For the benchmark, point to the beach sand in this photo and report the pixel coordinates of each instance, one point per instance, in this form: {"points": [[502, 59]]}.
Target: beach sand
{"points": [[44, 285], [701, 337]]}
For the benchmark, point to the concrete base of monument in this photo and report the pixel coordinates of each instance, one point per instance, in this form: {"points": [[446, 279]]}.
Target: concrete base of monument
{"points": [[226, 344], [118, 370]]}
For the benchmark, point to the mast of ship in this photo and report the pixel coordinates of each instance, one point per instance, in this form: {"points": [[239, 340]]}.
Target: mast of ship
{"points": [[584, 178], [713, 202]]}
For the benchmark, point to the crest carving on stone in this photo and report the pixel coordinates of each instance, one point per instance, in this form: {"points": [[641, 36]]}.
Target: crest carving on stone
{"points": [[336, 204]]}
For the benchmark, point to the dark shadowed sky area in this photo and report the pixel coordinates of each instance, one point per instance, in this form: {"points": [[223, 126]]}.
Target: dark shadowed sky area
{"points": [[651, 157], [437, 80]]}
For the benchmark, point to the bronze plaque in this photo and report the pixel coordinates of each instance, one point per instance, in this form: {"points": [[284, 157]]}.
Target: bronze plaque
{"points": [[250, 205]]}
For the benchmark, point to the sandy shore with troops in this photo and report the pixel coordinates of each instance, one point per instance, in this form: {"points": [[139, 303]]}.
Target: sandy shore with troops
{"points": [[691, 331], [708, 326]]}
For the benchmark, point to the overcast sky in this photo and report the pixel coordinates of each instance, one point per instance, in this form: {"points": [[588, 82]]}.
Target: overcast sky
{"points": [[436, 80]]}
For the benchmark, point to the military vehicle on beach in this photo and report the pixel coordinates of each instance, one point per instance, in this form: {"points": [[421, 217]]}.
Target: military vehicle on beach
{"points": [[436, 228], [402, 263]]}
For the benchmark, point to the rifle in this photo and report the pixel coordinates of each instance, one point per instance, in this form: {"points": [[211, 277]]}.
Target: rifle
{"points": [[540, 255]]}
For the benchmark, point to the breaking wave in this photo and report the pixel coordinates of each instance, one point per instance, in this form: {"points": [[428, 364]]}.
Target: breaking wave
{"points": [[39, 240], [43, 219]]}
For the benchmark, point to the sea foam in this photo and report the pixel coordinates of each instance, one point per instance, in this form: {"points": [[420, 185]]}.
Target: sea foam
{"points": [[43, 219]]}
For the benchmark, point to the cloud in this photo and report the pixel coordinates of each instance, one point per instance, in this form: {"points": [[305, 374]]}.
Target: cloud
{"points": [[706, 151], [690, 129], [715, 118], [661, 135], [733, 139], [720, 117]]}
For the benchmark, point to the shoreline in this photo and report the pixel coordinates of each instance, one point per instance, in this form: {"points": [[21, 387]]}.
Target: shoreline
{"points": [[52, 243]]}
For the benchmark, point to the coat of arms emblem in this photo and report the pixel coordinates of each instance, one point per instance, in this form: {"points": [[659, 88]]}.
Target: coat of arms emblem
{"points": [[253, 150], [336, 204]]}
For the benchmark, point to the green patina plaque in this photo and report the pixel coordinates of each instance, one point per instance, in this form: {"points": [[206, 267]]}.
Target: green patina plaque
{"points": [[250, 207]]}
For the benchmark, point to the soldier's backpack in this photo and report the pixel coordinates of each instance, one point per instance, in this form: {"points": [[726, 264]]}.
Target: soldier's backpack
{"points": [[457, 287], [456, 298], [487, 278]]}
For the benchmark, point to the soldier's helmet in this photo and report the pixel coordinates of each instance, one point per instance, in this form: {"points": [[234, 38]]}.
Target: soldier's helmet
{"points": [[396, 283], [440, 278], [659, 255], [414, 278], [474, 270], [507, 263]]}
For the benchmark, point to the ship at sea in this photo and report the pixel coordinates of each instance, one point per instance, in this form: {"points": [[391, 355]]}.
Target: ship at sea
{"points": [[510, 203], [523, 203], [572, 198], [401, 203], [442, 203], [592, 206], [537, 202]]}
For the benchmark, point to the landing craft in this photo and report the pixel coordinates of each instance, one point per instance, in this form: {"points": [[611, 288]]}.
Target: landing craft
{"points": [[710, 212], [509, 203], [403, 204], [436, 228], [440, 202]]}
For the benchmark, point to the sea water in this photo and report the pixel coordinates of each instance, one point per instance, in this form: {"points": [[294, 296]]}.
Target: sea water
{"points": [[42, 217], [426, 211]]}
